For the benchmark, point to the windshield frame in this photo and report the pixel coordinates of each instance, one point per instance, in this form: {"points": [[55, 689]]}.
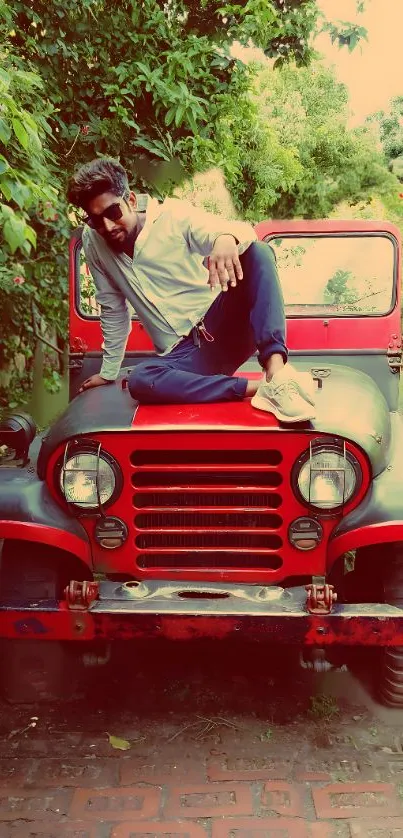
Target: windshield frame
{"points": [[294, 234]]}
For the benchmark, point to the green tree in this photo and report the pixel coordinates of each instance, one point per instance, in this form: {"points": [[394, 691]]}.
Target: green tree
{"points": [[147, 81], [390, 125], [28, 195], [307, 110]]}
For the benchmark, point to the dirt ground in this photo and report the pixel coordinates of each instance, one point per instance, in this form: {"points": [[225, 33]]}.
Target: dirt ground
{"points": [[213, 739]]}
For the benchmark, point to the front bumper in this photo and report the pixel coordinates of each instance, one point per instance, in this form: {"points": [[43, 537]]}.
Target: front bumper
{"points": [[187, 612]]}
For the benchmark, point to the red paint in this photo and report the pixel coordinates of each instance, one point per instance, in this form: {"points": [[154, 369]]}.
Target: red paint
{"points": [[383, 533], [219, 416], [62, 624], [40, 533], [291, 443]]}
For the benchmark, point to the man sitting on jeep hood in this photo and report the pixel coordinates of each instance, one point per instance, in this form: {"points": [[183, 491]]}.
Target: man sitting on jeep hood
{"points": [[204, 322]]}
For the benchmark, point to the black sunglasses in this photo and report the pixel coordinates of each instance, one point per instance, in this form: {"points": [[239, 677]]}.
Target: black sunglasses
{"points": [[113, 213]]}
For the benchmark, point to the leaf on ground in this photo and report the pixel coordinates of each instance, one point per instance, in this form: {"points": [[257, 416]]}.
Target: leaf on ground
{"points": [[119, 744]]}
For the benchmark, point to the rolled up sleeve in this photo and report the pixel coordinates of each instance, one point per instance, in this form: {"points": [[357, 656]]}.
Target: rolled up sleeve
{"points": [[201, 228]]}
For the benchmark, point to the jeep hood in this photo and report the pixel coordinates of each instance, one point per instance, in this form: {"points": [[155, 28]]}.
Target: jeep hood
{"points": [[349, 405]]}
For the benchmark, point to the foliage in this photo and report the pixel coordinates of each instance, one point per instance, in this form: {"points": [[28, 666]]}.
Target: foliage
{"points": [[345, 34], [327, 162], [28, 195], [146, 82], [391, 135]]}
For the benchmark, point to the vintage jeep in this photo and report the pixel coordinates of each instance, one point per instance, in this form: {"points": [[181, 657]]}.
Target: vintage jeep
{"points": [[216, 521]]}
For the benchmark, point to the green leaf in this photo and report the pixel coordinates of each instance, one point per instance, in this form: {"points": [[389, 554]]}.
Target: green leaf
{"points": [[3, 165], [154, 147], [119, 744], [20, 133], [5, 131], [16, 191], [14, 233], [30, 234]]}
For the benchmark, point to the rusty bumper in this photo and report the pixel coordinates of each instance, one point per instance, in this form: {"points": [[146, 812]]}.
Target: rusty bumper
{"points": [[193, 610]]}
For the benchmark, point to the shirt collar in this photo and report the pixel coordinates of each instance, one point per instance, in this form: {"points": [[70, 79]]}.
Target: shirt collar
{"points": [[153, 210]]}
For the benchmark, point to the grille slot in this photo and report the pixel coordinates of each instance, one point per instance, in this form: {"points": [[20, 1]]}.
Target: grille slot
{"points": [[204, 457], [206, 478], [190, 499], [215, 561], [207, 538], [185, 520]]}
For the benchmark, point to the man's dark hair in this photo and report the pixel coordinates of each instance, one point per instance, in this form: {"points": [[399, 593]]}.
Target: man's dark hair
{"points": [[94, 178]]}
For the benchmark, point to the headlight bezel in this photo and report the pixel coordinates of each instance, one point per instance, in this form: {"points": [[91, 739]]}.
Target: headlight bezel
{"points": [[75, 448], [328, 447]]}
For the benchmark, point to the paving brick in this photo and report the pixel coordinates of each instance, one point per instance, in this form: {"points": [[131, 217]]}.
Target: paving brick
{"points": [[356, 800], [385, 828], [261, 828], [209, 800], [74, 772], [322, 830], [122, 804], [33, 805], [160, 773], [169, 829], [312, 777], [249, 769], [39, 829], [15, 772], [284, 799]]}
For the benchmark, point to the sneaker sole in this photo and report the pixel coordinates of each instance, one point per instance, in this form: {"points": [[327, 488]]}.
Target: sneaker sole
{"points": [[264, 404]]}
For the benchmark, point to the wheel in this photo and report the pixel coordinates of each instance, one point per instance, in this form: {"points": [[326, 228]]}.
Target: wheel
{"points": [[391, 672], [378, 577], [32, 670]]}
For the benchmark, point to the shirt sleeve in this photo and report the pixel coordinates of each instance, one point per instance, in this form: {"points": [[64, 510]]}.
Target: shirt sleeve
{"points": [[201, 228], [114, 316]]}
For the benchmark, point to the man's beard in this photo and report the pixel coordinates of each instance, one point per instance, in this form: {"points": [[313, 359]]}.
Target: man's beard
{"points": [[116, 244], [122, 242]]}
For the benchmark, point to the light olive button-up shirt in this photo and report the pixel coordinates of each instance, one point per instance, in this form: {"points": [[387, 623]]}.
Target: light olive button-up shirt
{"points": [[165, 282]]}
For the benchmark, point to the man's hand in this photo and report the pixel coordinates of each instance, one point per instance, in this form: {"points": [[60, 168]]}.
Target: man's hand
{"points": [[93, 381], [224, 265]]}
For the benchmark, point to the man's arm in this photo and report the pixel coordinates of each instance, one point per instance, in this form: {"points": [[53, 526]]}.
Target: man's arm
{"points": [[201, 228], [115, 318], [222, 241]]}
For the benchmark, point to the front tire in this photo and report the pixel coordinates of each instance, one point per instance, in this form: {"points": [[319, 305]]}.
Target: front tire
{"points": [[390, 686], [34, 671], [378, 577]]}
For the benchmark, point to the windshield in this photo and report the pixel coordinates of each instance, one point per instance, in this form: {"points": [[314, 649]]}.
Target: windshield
{"points": [[335, 275]]}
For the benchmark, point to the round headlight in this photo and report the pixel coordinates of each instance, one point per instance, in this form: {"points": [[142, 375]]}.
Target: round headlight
{"points": [[327, 478], [88, 480]]}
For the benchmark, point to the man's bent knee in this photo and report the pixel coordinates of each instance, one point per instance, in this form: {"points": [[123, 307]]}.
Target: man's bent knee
{"points": [[141, 381]]}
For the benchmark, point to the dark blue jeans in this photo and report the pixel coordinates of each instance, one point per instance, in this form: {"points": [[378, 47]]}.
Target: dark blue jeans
{"points": [[241, 320]]}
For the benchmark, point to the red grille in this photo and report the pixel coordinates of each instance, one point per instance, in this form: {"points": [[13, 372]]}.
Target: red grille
{"points": [[182, 522]]}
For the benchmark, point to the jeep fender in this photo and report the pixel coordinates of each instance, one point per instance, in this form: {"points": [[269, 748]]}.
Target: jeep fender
{"points": [[29, 513], [379, 517]]}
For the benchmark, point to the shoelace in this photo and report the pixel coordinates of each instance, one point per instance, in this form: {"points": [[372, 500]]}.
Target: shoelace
{"points": [[286, 386]]}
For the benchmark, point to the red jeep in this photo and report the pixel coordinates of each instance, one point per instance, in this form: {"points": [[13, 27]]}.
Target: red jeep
{"points": [[207, 520]]}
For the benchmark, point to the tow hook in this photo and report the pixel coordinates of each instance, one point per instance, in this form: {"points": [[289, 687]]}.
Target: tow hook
{"points": [[320, 599], [80, 595]]}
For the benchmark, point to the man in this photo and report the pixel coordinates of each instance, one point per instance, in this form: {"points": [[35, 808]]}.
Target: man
{"points": [[204, 321]]}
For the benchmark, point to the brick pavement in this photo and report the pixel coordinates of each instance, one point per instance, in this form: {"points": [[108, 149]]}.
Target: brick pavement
{"points": [[195, 797], [265, 767]]}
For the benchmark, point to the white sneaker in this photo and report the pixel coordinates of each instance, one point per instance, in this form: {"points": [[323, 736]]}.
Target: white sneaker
{"points": [[290, 395]]}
